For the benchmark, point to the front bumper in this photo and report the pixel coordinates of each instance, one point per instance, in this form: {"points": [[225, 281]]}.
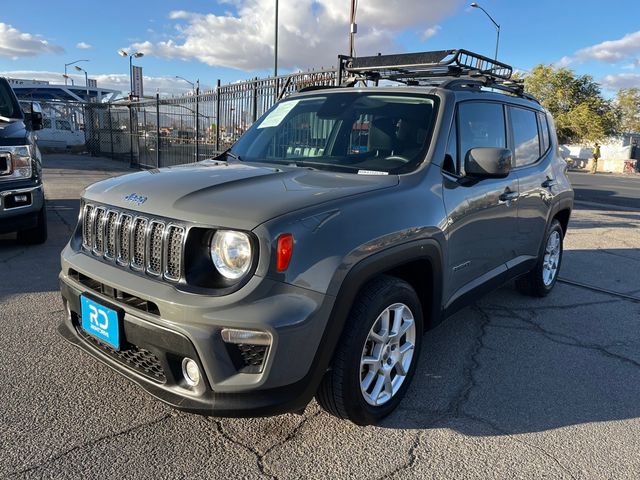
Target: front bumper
{"points": [[166, 325], [16, 216]]}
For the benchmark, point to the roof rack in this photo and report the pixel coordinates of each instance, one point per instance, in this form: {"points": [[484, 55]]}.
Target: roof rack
{"points": [[453, 69]]}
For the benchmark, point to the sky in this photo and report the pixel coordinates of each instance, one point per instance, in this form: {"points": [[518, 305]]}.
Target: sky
{"points": [[232, 40]]}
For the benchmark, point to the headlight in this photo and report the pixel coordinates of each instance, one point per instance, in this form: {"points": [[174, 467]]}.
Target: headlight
{"points": [[231, 253], [20, 160]]}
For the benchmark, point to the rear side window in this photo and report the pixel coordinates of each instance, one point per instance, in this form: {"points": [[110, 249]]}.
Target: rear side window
{"points": [[526, 141], [544, 132], [480, 125]]}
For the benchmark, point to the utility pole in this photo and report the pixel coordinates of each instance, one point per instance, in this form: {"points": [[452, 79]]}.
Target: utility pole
{"points": [[275, 48], [353, 27]]}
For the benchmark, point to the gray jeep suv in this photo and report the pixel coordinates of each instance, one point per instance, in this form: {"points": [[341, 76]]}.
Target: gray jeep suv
{"points": [[310, 257]]}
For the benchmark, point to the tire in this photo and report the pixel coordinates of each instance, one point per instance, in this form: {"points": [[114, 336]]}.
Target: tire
{"points": [[538, 283], [341, 392], [37, 234]]}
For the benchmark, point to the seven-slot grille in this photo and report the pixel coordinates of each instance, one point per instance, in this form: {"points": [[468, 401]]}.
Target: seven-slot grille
{"points": [[140, 243]]}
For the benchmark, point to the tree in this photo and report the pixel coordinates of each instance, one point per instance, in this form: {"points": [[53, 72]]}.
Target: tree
{"points": [[628, 107], [580, 111]]}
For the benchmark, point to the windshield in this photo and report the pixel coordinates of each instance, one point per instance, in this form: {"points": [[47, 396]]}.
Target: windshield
{"points": [[371, 133], [9, 107]]}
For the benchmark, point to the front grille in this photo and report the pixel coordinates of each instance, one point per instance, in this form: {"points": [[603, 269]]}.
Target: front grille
{"points": [[247, 358], [110, 234], [137, 358], [173, 257], [5, 163], [154, 253], [98, 225], [137, 242], [124, 238]]}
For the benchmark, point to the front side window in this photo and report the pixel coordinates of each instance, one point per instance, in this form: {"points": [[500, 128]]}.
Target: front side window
{"points": [[350, 131], [525, 136], [9, 107], [480, 124]]}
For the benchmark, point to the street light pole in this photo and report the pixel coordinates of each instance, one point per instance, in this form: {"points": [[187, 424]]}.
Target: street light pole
{"points": [[86, 79], [475, 5], [353, 28], [124, 53], [275, 49], [68, 65]]}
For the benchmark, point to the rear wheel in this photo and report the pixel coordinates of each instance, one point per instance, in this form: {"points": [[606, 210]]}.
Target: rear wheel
{"points": [[541, 280], [37, 234], [375, 360]]}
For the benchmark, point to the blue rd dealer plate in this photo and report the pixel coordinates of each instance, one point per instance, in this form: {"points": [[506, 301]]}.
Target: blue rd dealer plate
{"points": [[101, 322]]}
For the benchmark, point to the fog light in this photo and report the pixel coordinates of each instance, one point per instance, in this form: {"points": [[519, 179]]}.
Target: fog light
{"points": [[20, 198], [191, 372], [251, 337]]}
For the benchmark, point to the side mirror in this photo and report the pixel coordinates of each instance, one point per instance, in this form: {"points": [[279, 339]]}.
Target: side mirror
{"points": [[487, 162], [36, 121]]}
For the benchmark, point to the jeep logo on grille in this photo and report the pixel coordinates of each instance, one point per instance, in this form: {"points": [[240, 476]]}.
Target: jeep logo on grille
{"points": [[135, 199]]}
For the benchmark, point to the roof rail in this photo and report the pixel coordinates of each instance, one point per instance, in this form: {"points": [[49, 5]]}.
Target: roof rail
{"points": [[445, 68]]}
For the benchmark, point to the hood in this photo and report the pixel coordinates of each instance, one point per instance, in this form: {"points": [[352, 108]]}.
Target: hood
{"points": [[13, 133], [236, 195]]}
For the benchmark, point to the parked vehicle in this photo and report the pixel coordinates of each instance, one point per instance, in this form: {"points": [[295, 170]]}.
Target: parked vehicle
{"points": [[310, 257], [22, 203]]}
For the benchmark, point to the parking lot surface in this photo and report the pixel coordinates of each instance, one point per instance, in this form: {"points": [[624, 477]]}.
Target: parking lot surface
{"points": [[511, 387]]}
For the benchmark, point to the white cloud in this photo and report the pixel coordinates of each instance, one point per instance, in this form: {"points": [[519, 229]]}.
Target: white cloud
{"points": [[430, 32], [166, 85], [311, 33], [611, 51], [15, 44], [621, 80], [83, 46]]}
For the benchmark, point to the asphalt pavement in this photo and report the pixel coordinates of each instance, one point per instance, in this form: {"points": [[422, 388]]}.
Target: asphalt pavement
{"points": [[612, 189], [511, 387]]}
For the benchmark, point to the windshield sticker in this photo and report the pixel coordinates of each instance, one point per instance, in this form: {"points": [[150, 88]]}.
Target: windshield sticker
{"points": [[278, 114], [371, 172]]}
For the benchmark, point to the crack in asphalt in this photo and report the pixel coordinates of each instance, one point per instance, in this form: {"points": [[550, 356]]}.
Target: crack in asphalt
{"points": [[14, 256], [62, 219], [90, 443], [520, 441], [493, 307], [456, 405], [260, 456], [557, 337], [412, 457]]}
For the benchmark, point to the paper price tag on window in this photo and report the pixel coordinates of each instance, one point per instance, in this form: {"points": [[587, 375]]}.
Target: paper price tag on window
{"points": [[278, 114]]}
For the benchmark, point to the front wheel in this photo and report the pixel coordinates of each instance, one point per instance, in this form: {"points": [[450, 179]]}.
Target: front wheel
{"points": [[37, 234], [541, 280], [376, 358]]}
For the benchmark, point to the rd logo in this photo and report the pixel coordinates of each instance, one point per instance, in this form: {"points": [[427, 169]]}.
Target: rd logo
{"points": [[98, 318]]}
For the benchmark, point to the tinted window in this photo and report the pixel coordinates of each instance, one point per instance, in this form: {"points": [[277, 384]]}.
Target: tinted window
{"points": [[8, 104], [480, 125], [544, 129], [525, 136], [351, 131]]}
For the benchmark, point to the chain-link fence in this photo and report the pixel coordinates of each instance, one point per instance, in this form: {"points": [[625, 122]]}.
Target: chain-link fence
{"points": [[172, 131]]}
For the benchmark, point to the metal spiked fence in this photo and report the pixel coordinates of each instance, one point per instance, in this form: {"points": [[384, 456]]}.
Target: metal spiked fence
{"points": [[161, 132]]}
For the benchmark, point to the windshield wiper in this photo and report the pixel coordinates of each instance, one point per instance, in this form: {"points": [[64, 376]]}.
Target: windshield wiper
{"points": [[228, 153], [7, 119]]}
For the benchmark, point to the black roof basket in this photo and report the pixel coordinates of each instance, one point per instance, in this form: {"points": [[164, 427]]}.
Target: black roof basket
{"points": [[445, 68]]}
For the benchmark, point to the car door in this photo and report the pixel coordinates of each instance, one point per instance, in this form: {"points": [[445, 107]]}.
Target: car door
{"points": [[481, 214], [532, 155]]}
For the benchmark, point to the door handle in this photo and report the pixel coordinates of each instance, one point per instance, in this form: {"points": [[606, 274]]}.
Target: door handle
{"points": [[548, 183], [508, 196]]}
